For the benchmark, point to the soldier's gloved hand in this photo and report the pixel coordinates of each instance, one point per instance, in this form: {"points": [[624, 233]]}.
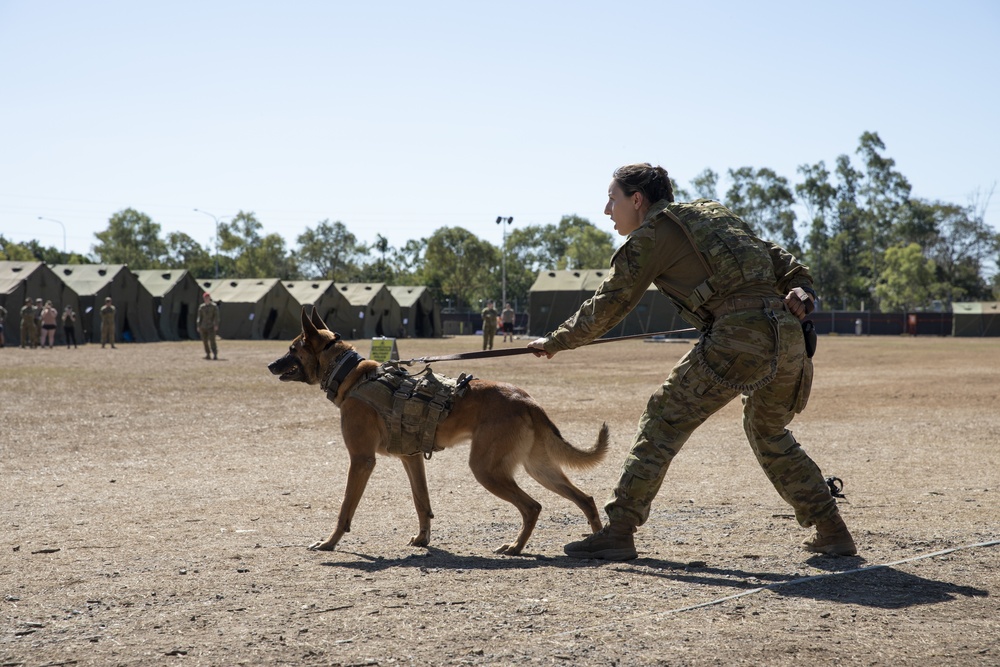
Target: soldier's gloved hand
{"points": [[537, 348], [799, 302]]}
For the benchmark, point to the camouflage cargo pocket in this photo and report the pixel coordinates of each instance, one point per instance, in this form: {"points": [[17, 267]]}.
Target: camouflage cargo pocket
{"points": [[805, 386]]}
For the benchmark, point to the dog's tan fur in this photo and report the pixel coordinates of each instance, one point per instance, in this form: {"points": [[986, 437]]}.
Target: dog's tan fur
{"points": [[505, 426]]}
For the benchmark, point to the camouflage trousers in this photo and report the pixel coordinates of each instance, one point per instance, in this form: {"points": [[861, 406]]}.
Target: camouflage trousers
{"points": [[208, 340], [737, 353]]}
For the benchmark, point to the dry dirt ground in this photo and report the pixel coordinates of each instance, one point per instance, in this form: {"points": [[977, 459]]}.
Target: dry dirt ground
{"points": [[155, 508]]}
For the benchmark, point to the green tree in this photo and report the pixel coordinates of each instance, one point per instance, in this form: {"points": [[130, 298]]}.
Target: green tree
{"points": [[706, 185], [907, 279], [764, 200], [329, 252], [183, 252], [131, 238], [818, 196], [461, 266], [33, 251], [252, 254]]}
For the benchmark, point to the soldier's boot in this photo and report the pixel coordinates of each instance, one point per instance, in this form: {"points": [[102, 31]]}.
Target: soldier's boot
{"points": [[208, 356], [832, 537], [613, 542], [215, 355]]}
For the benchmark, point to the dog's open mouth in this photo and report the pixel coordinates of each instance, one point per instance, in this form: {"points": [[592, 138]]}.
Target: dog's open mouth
{"points": [[287, 369]]}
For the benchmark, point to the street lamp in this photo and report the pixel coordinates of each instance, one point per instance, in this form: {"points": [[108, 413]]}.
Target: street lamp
{"points": [[63, 228], [217, 219], [503, 222]]}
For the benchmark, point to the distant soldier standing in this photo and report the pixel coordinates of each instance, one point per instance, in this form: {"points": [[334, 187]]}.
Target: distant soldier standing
{"points": [[3, 316], [490, 316], [38, 323], [108, 323], [208, 326], [28, 324], [507, 322]]}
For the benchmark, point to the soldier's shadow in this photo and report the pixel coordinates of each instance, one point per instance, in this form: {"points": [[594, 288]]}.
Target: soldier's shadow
{"points": [[847, 580], [879, 586]]}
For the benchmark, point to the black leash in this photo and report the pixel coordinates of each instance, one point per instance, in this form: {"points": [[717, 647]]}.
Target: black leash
{"points": [[527, 350]]}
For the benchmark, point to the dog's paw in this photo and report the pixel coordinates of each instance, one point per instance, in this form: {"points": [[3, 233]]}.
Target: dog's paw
{"points": [[420, 540], [509, 550], [323, 546]]}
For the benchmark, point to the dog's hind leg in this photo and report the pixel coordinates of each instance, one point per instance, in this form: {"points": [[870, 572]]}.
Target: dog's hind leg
{"points": [[500, 483], [357, 479], [551, 476], [414, 467]]}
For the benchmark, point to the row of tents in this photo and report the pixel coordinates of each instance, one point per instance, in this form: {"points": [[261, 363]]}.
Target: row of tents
{"points": [[163, 304]]}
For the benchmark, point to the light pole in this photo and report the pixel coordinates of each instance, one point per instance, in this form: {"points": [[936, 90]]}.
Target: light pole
{"points": [[63, 228], [217, 219], [503, 222]]}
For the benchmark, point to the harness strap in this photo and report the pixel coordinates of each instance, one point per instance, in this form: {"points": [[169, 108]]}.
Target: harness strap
{"points": [[342, 367]]}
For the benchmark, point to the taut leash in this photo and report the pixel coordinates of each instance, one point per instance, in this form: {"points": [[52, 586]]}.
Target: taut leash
{"points": [[484, 354]]}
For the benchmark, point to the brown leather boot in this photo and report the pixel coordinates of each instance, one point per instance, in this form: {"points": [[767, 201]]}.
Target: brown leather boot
{"points": [[832, 537], [613, 542]]}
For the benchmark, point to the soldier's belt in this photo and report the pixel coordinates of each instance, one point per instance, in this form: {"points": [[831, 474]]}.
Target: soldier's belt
{"points": [[737, 303]]}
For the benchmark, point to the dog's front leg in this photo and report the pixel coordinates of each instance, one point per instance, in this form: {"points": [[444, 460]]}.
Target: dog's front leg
{"points": [[414, 466], [357, 478]]}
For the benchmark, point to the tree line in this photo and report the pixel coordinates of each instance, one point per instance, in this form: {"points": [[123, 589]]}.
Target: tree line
{"points": [[868, 241]]}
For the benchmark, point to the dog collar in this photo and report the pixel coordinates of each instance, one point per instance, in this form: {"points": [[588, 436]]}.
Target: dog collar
{"points": [[342, 367]]}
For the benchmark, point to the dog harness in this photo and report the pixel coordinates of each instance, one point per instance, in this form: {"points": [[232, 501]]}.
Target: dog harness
{"points": [[410, 405]]}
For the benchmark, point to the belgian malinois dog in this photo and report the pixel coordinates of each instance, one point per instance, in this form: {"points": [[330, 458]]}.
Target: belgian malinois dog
{"points": [[505, 426]]}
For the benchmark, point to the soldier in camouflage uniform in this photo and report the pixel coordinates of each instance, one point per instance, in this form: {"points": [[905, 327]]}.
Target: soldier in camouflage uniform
{"points": [[747, 297], [28, 329], [490, 316], [108, 312], [208, 326]]}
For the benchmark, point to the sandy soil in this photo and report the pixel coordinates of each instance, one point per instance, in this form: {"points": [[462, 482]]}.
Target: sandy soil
{"points": [[156, 508]]}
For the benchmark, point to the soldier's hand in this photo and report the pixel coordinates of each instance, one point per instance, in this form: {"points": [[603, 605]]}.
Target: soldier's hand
{"points": [[799, 302], [537, 348]]}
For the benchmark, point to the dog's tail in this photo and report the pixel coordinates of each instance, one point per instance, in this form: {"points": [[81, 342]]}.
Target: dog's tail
{"points": [[566, 453]]}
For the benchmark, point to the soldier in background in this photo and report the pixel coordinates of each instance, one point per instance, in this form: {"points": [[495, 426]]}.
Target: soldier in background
{"points": [[28, 328], [208, 326], [3, 318], [747, 297], [507, 322], [490, 316], [108, 311], [38, 323], [69, 326]]}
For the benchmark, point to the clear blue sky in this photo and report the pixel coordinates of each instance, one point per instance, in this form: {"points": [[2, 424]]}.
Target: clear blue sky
{"points": [[401, 117]]}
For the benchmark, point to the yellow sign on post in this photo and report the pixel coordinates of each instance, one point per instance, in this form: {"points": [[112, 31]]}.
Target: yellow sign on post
{"points": [[383, 350]]}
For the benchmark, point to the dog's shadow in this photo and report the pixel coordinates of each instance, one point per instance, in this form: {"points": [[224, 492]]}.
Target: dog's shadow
{"points": [[846, 580]]}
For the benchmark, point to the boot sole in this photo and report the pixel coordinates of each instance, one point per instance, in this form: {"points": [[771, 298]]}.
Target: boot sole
{"points": [[605, 554]]}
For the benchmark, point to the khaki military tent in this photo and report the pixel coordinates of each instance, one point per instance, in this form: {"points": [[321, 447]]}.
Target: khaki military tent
{"points": [[372, 312], [556, 295], [324, 296], [975, 319], [176, 297], [133, 302], [420, 315], [254, 308], [34, 280]]}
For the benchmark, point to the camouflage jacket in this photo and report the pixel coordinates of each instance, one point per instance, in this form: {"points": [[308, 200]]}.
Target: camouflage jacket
{"points": [[697, 254], [208, 315]]}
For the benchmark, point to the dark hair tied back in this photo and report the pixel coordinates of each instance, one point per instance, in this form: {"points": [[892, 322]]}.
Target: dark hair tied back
{"points": [[651, 182]]}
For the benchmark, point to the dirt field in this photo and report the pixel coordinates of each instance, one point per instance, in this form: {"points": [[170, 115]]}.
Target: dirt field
{"points": [[156, 508]]}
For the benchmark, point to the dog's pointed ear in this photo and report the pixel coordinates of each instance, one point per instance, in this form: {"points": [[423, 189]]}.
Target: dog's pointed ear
{"points": [[318, 321], [308, 328]]}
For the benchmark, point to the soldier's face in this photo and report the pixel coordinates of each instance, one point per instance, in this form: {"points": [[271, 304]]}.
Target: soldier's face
{"points": [[623, 209]]}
